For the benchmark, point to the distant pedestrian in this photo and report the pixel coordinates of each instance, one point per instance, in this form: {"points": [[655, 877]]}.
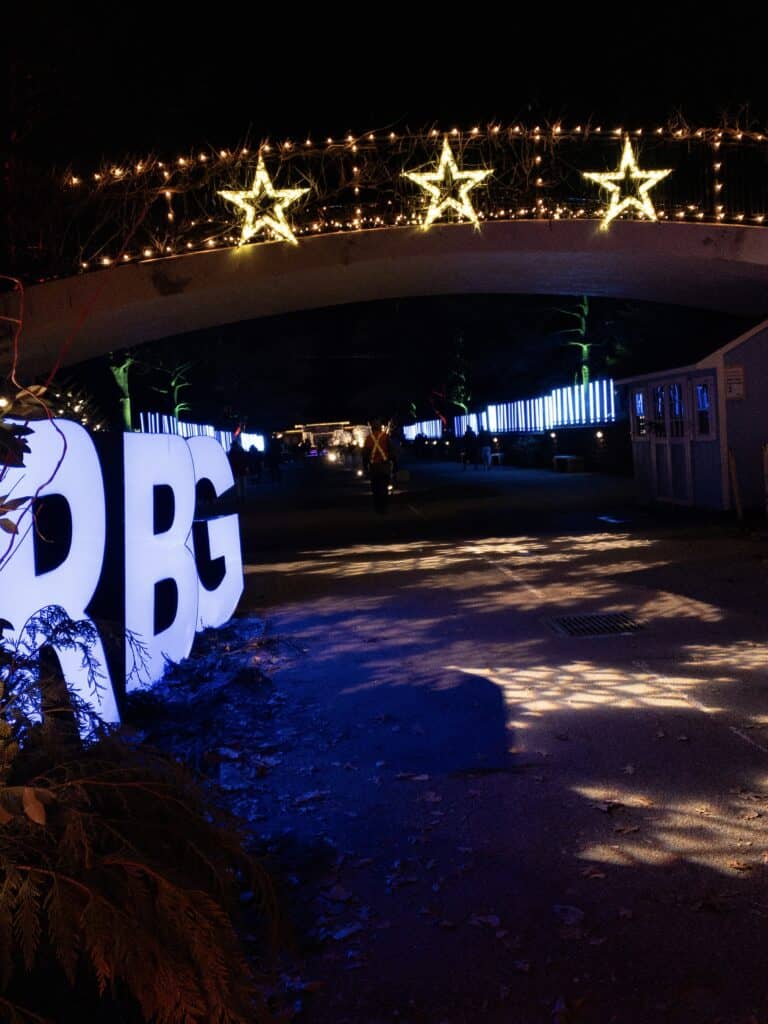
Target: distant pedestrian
{"points": [[395, 447], [238, 462], [274, 458], [255, 460], [469, 448], [377, 460], [484, 443]]}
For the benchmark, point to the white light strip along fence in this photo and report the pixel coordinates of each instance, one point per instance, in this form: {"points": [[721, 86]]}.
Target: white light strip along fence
{"points": [[161, 423], [251, 441], [579, 405], [476, 420], [429, 428]]}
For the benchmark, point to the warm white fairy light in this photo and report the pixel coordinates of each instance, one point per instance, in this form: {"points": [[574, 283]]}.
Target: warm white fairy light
{"points": [[177, 176], [252, 201], [441, 186], [628, 173]]}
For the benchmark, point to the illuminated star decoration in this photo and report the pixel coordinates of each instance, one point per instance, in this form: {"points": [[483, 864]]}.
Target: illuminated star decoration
{"points": [[628, 174], [265, 206], [442, 187]]}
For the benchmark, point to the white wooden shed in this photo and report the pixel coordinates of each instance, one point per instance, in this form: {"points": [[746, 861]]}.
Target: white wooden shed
{"points": [[700, 432]]}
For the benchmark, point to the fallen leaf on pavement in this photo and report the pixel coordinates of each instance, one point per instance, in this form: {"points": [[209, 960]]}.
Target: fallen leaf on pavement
{"points": [[344, 933], [489, 919], [339, 894], [315, 794], [567, 914], [560, 1012], [608, 806], [592, 872]]}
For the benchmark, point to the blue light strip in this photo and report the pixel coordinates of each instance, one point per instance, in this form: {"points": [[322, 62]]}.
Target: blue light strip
{"points": [[573, 406], [429, 428], [161, 423], [256, 441]]}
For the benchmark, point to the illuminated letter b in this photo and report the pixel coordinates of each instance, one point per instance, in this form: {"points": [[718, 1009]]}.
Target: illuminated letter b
{"points": [[160, 574]]}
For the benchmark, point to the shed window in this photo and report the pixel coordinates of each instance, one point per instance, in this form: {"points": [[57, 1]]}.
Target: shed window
{"points": [[659, 419], [639, 419], [705, 421], [676, 411]]}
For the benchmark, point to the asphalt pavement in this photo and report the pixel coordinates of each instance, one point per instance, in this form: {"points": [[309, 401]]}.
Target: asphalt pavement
{"points": [[480, 816]]}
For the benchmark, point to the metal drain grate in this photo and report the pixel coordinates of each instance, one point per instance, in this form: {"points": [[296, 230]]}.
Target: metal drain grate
{"points": [[601, 624]]}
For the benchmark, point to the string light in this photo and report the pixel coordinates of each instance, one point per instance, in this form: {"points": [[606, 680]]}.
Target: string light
{"points": [[643, 182], [441, 183], [273, 221], [193, 177]]}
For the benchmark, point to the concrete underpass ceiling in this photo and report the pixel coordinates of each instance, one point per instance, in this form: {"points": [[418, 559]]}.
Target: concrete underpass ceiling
{"points": [[700, 266]]}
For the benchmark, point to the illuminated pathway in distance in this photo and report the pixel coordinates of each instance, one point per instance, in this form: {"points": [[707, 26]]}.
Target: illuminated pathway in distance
{"points": [[523, 816]]}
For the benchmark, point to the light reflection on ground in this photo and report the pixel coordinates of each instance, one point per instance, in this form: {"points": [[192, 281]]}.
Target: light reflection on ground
{"points": [[583, 685], [736, 656], [728, 838], [422, 555], [558, 562], [494, 597]]}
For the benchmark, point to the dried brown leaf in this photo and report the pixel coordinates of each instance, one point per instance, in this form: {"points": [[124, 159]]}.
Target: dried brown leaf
{"points": [[33, 807]]}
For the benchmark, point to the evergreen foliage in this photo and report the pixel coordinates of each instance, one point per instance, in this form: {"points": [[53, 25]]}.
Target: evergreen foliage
{"points": [[118, 878]]}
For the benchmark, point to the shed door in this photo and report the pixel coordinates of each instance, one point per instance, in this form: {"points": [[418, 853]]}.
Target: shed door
{"points": [[671, 443]]}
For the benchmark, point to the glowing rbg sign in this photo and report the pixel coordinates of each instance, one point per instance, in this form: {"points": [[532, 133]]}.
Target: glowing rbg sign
{"points": [[114, 539]]}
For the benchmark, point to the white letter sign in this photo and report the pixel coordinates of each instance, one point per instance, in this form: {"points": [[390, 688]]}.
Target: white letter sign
{"points": [[62, 461], [122, 543]]}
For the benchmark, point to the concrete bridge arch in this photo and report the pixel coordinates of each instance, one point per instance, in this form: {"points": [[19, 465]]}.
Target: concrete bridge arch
{"points": [[718, 267]]}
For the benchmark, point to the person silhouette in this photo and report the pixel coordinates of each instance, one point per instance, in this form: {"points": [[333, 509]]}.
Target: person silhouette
{"points": [[377, 461]]}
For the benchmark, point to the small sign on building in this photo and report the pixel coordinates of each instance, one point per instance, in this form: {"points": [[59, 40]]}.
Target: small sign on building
{"points": [[734, 381]]}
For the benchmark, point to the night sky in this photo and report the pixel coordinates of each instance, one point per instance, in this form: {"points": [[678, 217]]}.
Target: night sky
{"points": [[126, 81], [130, 82]]}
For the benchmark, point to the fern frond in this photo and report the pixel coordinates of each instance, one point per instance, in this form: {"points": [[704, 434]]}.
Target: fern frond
{"points": [[15, 1014], [26, 920], [117, 874], [97, 928], [63, 914], [6, 943]]}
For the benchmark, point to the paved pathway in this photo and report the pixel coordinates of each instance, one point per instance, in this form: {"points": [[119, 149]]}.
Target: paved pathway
{"points": [[487, 820]]}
